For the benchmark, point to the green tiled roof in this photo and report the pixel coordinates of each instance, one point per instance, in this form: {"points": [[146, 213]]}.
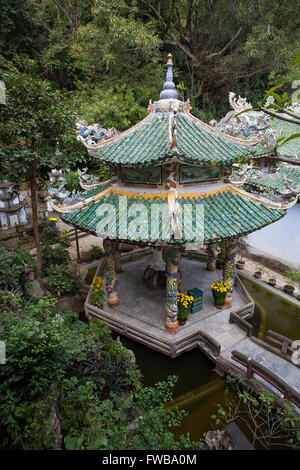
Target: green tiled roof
{"points": [[147, 143], [144, 144], [201, 144], [276, 181], [226, 214]]}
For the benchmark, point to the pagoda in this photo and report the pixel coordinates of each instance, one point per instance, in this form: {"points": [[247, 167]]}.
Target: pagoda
{"points": [[12, 210], [170, 186]]}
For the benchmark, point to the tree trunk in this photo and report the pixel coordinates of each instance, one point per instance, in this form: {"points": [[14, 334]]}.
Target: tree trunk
{"points": [[33, 190]]}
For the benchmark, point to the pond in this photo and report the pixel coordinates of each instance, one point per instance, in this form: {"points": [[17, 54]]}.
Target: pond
{"points": [[199, 389]]}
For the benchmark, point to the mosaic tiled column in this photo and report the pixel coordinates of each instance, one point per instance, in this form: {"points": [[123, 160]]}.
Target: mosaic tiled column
{"points": [[212, 257], [172, 276], [117, 256], [229, 269], [110, 271]]}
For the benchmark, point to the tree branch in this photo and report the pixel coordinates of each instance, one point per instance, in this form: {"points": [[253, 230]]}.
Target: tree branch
{"points": [[214, 54]]}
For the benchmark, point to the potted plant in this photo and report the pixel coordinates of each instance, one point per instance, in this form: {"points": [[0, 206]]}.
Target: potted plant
{"points": [[272, 281], [259, 272], [240, 264], [97, 296], [288, 289], [292, 276], [219, 291], [184, 304]]}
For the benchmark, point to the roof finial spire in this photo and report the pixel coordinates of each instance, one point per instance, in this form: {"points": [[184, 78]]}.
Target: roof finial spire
{"points": [[169, 86]]}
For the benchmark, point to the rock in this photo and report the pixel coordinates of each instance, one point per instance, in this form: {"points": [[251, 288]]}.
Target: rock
{"points": [[35, 289], [218, 440], [32, 252], [75, 304]]}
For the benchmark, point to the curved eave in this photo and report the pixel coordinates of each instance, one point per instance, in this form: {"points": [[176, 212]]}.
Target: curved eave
{"points": [[228, 213], [93, 149]]}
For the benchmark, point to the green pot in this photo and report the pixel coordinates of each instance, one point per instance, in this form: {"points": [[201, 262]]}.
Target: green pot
{"points": [[219, 297], [183, 313]]}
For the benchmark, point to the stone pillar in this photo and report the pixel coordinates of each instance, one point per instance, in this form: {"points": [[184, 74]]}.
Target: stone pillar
{"points": [[212, 257], [110, 271], [229, 269], [172, 276]]}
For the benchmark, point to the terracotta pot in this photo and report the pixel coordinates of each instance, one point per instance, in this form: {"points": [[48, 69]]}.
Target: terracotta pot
{"points": [[257, 275], [240, 265], [220, 305], [211, 266], [182, 322]]}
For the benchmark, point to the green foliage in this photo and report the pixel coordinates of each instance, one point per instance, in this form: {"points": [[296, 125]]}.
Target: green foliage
{"points": [[68, 385], [291, 275], [61, 280], [96, 252], [112, 106], [34, 122], [72, 182], [12, 270], [48, 230], [102, 172], [56, 254], [18, 32], [271, 421]]}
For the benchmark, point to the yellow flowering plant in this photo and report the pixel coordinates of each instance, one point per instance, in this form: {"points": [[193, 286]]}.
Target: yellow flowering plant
{"points": [[219, 291], [65, 237], [184, 304], [220, 286], [97, 286]]}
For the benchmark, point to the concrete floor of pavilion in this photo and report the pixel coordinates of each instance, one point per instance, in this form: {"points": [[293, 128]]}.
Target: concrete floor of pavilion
{"points": [[145, 308]]}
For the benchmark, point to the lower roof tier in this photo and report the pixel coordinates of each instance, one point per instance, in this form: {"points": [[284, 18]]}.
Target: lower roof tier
{"points": [[169, 217]]}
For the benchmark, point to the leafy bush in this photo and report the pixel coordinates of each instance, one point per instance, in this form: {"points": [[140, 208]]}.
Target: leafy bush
{"points": [[54, 255], [102, 173], [72, 182], [12, 269], [60, 278], [96, 252], [48, 230], [69, 385]]}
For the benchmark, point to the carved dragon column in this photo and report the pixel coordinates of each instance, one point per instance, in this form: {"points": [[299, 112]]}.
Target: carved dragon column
{"points": [[172, 277], [110, 271], [212, 257], [117, 256], [229, 269]]}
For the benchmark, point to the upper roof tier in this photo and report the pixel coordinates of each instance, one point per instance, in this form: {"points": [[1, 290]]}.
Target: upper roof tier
{"points": [[170, 132]]}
